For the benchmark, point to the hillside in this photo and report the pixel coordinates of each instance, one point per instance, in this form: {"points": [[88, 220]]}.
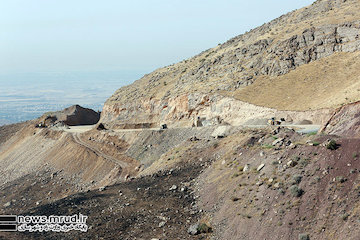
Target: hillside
{"points": [[219, 169], [306, 52]]}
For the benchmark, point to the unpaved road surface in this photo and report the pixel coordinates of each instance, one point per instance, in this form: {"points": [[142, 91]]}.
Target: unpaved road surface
{"points": [[99, 153], [299, 128]]}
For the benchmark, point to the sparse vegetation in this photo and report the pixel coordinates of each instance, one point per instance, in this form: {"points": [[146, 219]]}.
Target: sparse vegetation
{"points": [[297, 179], [235, 175], [204, 228], [312, 133], [332, 145], [316, 143], [304, 162], [304, 236], [345, 216], [268, 146], [281, 191], [296, 191], [340, 179], [317, 179]]}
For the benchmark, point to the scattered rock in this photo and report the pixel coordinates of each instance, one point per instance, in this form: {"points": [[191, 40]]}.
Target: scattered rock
{"points": [[100, 127], [193, 229], [291, 163], [246, 168], [278, 142], [193, 139], [259, 183], [261, 166], [161, 224], [173, 187], [220, 132], [292, 146]]}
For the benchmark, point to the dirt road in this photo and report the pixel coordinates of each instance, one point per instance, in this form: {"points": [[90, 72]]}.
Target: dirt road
{"points": [[99, 153], [298, 128]]}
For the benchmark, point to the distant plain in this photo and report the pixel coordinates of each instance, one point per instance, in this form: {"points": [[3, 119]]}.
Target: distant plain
{"points": [[25, 96]]}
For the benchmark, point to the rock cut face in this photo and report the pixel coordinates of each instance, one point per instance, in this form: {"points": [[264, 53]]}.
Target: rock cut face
{"points": [[345, 121]]}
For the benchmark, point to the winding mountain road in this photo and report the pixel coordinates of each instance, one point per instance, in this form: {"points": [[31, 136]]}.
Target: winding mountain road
{"points": [[78, 140]]}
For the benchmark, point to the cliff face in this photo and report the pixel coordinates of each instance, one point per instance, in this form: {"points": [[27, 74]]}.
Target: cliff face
{"points": [[345, 121], [198, 110], [276, 49]]}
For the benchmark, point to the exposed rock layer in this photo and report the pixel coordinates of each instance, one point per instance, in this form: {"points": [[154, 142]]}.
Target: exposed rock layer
{"points": [[186, 110]]}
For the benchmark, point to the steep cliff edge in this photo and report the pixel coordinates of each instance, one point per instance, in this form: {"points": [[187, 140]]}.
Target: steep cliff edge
{"points": [[345, 121], [252, 67]]}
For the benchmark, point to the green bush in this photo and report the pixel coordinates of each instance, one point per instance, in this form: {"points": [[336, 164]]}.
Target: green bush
{"points": [[304, 236], [297, 179], [332, 145], [296, 191], [345, 216], [312, 133], [204, 228], [304, 162], [316, 143], [340, 179], [267, 146]]}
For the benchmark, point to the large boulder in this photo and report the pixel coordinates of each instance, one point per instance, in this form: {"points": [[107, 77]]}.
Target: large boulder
{"points": [[72, 116]]}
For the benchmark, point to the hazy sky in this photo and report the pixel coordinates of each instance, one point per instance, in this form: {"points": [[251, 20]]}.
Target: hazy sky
{"points": [[112, 35]]}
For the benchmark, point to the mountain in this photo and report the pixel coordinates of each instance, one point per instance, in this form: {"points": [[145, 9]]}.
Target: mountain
{"points": [[191, 150], [294, 62]]}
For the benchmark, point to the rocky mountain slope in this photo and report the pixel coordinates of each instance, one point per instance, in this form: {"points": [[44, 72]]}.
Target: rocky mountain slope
{"points": [[218, 171], [306, 52]]}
